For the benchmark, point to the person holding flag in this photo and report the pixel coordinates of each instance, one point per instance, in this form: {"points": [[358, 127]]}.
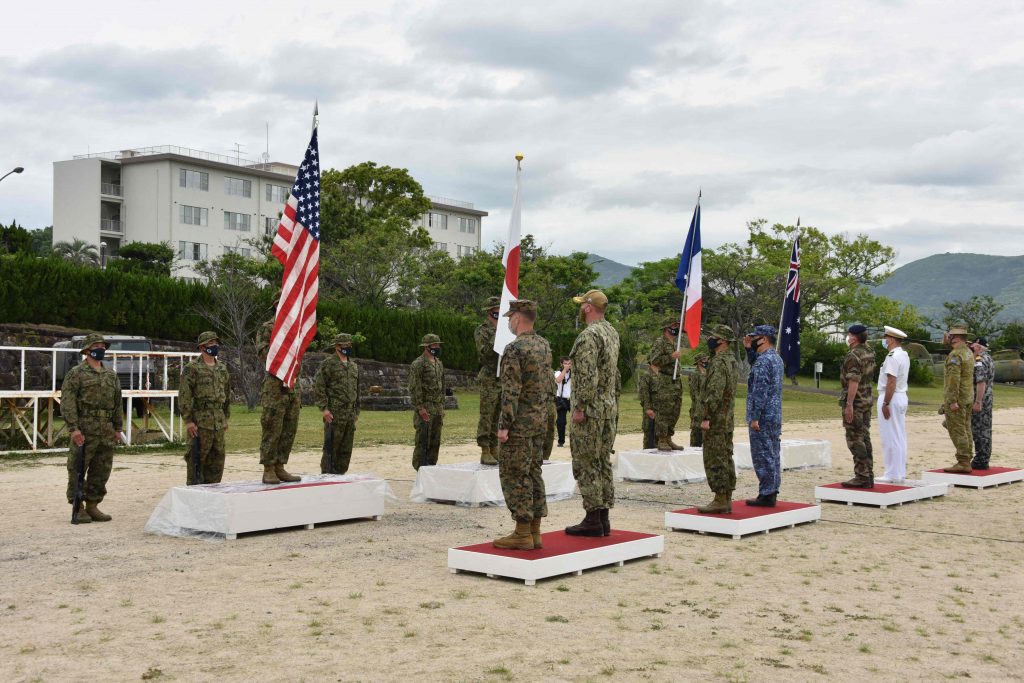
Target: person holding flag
{"points": [[688, 280]]}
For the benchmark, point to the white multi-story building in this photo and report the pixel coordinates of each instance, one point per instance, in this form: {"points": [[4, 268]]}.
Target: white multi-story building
{"points": [[202, 204]]}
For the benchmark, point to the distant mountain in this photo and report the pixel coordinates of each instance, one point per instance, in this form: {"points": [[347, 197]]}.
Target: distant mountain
{"points": [[609, 272], [931, 281]]}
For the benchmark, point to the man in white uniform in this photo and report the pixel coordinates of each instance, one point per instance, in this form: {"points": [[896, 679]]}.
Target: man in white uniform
{"points": [[892, 407]]}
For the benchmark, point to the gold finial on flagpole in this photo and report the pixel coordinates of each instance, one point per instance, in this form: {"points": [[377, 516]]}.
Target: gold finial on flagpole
{"points": [[519, 159]]}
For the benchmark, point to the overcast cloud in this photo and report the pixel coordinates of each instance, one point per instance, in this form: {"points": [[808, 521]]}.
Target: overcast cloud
{"points": [[901, 120]]}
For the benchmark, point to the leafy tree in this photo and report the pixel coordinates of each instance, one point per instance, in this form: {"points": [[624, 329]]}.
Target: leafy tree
{"points": [[1010, 337], [978, 312], [15, 239], [144, 258], [78, 252], [42, 241], [367, 196]]}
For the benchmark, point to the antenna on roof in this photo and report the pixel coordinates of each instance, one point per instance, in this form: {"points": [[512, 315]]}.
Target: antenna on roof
{"points": [[238, 153]]}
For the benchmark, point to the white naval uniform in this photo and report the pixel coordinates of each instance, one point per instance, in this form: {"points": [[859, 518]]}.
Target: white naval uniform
{"points": [[894, 430]]}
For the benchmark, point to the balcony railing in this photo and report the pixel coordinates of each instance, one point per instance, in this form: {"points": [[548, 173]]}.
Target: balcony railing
{"points": [[111, 225], [448, 201], [111, 189]]}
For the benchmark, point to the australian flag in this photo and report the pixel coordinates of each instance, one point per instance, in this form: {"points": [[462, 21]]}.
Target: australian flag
{"points": [[789, 329]]}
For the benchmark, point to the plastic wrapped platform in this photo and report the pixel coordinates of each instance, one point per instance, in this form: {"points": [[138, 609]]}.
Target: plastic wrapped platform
{"points": [[797, 454], [670, 467], [472, 484]]}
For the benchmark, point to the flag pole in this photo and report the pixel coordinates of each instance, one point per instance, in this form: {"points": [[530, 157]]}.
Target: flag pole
{"points": [[682, 312], [785, 289], [316, 113]]}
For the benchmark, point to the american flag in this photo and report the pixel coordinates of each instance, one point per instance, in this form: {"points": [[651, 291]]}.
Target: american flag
{"points": [[789, 327], [297, 247]]}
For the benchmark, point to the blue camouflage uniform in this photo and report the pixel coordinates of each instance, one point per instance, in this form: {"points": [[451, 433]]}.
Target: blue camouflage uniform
{"points": [[764, 404]]}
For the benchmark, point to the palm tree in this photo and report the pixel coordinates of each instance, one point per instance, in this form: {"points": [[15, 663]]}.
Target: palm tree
{"points": [[78, 252]]}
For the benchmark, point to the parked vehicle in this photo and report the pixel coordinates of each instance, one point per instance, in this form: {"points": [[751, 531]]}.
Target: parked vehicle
{"points": [[133, 372]]}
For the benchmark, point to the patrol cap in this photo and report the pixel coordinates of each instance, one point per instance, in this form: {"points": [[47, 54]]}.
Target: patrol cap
{"points": [[857, 328], [492, 302], [521, 306], [763, 331], [429, 339], [207, 337], [343, 338], [895, 333], [671, 321], [94, 338], [595, 297], [723, 332], [958, 328]]}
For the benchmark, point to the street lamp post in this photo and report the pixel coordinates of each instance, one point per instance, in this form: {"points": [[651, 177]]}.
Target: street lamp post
{"points": [[16, 169]]}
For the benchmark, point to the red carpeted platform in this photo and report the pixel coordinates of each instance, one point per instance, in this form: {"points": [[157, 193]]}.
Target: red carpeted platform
{"points": [[977, 479], [877, 488], [881, 495], [561, 554], [744, 519]]}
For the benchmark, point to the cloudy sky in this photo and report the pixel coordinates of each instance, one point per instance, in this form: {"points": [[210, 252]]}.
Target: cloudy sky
{"points": [[902, 120]]}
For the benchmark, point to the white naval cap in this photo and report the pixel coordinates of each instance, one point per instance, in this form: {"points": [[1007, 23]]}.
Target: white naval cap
{"points": [[893, 332]]}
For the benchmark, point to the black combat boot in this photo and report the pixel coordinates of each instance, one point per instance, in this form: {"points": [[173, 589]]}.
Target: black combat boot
{"points": [[859, 482], [606, 525], [762, 501], [590, 526]]}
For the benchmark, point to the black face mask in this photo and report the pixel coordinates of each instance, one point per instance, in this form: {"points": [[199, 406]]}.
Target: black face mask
{"points": [[713, 343], [494, 315], [752, 353], [346, 352], [212, 351], [674, 331], [434, 352], [97, 354]]}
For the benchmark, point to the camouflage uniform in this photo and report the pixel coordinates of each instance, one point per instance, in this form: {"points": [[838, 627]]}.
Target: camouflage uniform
{"points": [[695, 383], [595, 390], [764, 404], [645, 390], [280, 417], [91, 402], [959, 388], [490, 387], [981, 422], [426, 390], [336, 388], [527, 397], [666, 391], [717, 405], [205, 399], [859, 366]]}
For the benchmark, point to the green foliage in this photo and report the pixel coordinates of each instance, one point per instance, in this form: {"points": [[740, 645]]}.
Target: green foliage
{"points": [[365, 197], [921, 375], [78, 252], [1010, 337], [816, 347], [15, 239], [144, 258], [42, 241], [979, 313]]}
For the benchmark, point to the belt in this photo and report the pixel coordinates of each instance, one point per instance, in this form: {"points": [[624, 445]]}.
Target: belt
{"points": [[95, 413]]}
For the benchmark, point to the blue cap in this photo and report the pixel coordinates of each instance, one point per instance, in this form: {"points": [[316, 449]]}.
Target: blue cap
{"points": [[763, 331], [857, 328]]}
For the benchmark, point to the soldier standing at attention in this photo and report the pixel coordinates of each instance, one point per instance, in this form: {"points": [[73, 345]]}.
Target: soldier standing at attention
{"points": [[959, 396], [667, 391], [205, 400], [426, 393], [91, 405], [892, 407], [764, 414], [855, 400], [981, 421], [278, 421], [696, 386], [490, 387], [336, 391], [645, 391], [526, 401], [718, 399], [595, 407]]}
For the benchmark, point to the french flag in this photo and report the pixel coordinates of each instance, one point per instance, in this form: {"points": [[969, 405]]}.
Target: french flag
{"points": [[510, 259], [688, 280]]}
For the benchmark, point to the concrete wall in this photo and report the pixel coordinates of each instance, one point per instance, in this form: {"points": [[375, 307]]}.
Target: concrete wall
{"points": [[76, 200]]}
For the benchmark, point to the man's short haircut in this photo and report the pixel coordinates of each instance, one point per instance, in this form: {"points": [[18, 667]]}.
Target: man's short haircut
{"points": [[861, 337]]}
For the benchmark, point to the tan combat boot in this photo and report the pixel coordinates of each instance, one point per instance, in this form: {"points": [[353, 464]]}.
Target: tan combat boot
{"points": [[674, 445], [269, 476], [283, 475], [721, 505], [664, 444], [487, 456], [81, 517], [520, 539], [535, 532], [962, 466], [95, 513]]}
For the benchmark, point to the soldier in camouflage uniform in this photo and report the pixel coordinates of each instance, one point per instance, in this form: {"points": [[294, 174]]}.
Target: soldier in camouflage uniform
{"points": [[718, 399], [526, 399], [426, 392], [667, 392], [205, 400], [764, 414], [855, 399], [959, 396], [490, 387], [981, 421], [595, 407], [645, 391], [91, 405], [336, 391], [695, 384], [279, 420]]}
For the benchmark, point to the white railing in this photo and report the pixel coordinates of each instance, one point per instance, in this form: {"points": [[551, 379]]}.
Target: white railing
{"points": [[448, 201], [111, 189], [273, 166], [111, 225]]}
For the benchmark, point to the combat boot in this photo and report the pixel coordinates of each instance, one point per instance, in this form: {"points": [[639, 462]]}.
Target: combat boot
{"points": [[721, 505], [664, 444], [762, 501], [535, 532], [269, 476], [606, 525], [979, 464], [520, 539], [487, 456], [859, 482], [283, 475], [674, 445], [95, 513], [590, 526], [962, 466], [81, 517]]}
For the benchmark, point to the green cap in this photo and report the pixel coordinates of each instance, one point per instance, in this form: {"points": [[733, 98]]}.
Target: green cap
{"points": [[343, 338], [429, 339], [521, 306], [206, 337], [492, 302], [723, 332], [94, 338]]}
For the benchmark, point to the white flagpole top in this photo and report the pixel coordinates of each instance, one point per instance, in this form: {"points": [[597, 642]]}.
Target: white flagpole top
{"points": [[316, 113]]}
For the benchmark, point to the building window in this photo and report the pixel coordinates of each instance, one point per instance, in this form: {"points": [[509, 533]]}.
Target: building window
{"points": [[277, 194], [192, 215], [236, 221], [194, 180], [191, 251], [438, 221], [237, 187], [464, 251], [241, 251], [467, 225], [270, 225], [441, 246]]}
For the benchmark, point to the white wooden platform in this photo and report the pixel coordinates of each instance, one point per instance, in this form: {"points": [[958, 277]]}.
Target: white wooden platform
{"points": [[562, 554], [743, 520], [670, 467], [978, 479], [472, 484], [234, 508], [797, 454], [882, 495]]}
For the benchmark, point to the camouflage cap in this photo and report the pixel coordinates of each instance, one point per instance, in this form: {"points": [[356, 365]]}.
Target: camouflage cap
{"points": [[763, 331], [958, 328], [723, 332], [343, 338], [94, 338], [429, 339], [207, 337], [521, 306], [700, 359], [594, 297], [492, 302], [671, 321]]}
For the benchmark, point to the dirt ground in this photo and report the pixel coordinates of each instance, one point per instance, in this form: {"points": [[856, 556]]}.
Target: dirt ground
{"points": [[926, 591]]}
